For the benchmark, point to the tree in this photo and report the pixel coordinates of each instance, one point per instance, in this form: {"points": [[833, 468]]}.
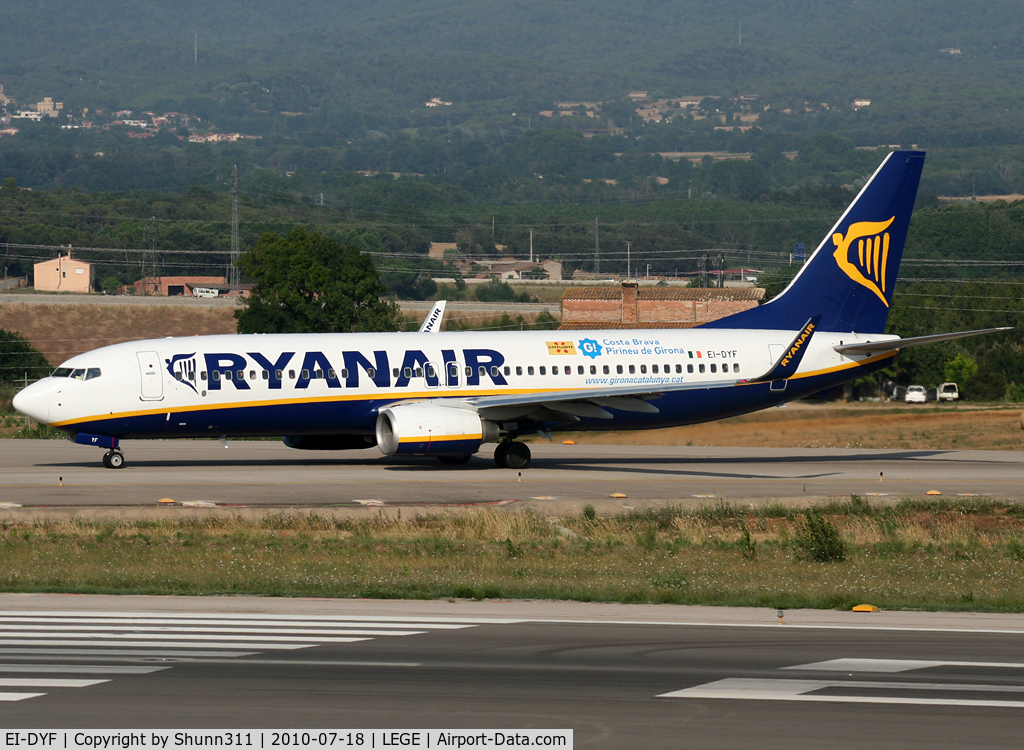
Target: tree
{"points": [[19, 359], [961, 369], [309, 283]]}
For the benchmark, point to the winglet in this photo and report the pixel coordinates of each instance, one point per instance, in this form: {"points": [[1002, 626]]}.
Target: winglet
{"points": [[432, 323], [788, 363]]}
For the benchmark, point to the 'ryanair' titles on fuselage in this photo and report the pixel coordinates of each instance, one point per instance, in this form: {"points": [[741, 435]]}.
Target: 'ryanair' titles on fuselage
{"points": [[221, 367]]}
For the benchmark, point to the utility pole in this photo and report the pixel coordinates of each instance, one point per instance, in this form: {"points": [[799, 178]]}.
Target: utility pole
{"points": [[195, 48], [233, 277], [597, 249], [531, 244], [628, 244]]}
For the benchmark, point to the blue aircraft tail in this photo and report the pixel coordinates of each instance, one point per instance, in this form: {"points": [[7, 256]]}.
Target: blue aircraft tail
{"points": [[849, 279]]}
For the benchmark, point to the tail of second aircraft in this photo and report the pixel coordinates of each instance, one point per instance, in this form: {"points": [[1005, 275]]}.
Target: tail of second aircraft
{"points": [[849, 279]]}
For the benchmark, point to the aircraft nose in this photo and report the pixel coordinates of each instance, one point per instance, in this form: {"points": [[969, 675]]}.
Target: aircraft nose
{"points": [[34, 401]]}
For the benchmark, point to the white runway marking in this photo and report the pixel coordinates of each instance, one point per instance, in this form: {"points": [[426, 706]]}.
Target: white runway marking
{"points": [[78, 668], [157, 644], [274, 641], [804, 690], [82, 636], [330, 619], [38, 682], [316, 625], [121, 652], [897, 665], [41, 631]]}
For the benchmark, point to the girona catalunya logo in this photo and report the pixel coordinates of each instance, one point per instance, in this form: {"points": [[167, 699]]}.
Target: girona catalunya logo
{"points": [[863, 254]]}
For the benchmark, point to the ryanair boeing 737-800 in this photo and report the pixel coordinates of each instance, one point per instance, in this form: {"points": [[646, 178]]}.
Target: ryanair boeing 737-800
{"points": [[445, 394]]}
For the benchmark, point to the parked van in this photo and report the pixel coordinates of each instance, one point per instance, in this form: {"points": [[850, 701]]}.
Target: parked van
{"points": [[947, 392]]}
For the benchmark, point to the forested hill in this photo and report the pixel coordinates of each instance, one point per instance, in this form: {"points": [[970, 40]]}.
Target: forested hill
{"points": [[138, 51]]}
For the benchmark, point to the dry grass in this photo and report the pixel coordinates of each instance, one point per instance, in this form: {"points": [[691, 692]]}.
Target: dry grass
{"points": [[61, 331], [869, 425], [938, 555]]}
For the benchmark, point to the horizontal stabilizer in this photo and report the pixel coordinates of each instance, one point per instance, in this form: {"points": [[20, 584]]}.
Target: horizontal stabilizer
{"points": [[871, 347]]}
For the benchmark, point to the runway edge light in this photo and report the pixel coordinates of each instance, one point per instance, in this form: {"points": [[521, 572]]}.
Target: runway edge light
{"points": [[866, 608]]}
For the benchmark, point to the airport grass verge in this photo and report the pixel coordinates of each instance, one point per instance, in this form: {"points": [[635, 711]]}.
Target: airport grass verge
{"points": [[966, 554]]}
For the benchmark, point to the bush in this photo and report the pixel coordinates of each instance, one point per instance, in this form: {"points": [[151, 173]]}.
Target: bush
{"points": [[818, 539]]}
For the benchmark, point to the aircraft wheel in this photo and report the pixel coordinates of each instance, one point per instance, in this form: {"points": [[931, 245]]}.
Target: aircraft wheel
{"points": [[501, 453], [455, 460], [518, 456], [113, 460], [106, 460]]}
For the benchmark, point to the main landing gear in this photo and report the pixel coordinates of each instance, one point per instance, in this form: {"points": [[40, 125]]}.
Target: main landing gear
{"points": [[511, 455], [113, 459]]}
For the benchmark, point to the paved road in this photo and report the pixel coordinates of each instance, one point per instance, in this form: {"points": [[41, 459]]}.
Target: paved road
{"points": [[57, 473], [619, 676]]}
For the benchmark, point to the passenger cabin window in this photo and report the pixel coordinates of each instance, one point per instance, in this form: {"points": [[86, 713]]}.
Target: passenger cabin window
{"points": [[332, 374], [593, 369], [177, 376], [643, 369], [679, 368], [618, 369], [291, 374], [344, 373], [394, 372], [305, 374], [266, 374], [431, 372], [554, 370], [279, 374], [654, 369], [408, 372], [453, 372], [529, 369], [689, 369], [508, 370], [202, 375], [632, 369], [714, 368], [519, 370], [418, 372], [252, 374], [494, 371], [605, 369], [700, 367], [568, 369], [543, 370]]}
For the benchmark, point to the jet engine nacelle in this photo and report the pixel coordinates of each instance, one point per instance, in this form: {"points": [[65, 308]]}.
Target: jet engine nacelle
{"points": [[328, 442], [430, 429]]}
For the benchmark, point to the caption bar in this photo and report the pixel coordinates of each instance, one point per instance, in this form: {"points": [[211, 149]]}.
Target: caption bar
{"points": [[258, 739]]}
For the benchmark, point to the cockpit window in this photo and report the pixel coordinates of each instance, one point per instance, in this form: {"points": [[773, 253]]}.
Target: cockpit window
{"points": [[92, 372], [78, 374], [62, 372]]}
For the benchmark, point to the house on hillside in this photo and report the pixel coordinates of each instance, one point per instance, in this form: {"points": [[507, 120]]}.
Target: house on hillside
{"points": [[64, 274]]}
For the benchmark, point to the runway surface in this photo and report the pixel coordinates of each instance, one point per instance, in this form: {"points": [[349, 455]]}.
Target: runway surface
{"points": [[618, 675], [56, 473]]}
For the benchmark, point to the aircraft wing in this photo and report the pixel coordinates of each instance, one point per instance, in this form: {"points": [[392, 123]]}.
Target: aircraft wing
{"points": [[586, 402], [870, 347]]}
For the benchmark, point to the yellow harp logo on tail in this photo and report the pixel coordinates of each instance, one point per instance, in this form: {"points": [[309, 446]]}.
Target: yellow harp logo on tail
{"points": [[868, 243]]}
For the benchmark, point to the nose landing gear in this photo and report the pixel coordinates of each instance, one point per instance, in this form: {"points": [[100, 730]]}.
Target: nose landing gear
{"points": [[113, 459], [511, 455]]}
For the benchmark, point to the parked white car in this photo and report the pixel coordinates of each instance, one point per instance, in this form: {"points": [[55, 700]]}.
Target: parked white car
{"points": [[916, 394], [947, 392]]}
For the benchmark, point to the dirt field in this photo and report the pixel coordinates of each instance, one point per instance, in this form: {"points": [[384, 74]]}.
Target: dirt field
{"points": [[861, 425], [62, 331]]}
